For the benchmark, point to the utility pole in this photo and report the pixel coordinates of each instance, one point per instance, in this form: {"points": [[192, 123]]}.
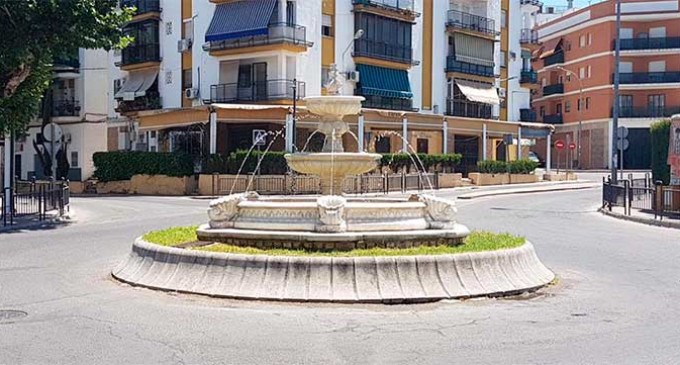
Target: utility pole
{"points": [[617, 102], [294, 121]]}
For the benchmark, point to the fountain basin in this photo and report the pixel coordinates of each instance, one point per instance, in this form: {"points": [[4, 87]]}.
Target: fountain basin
{"points": [[332, 168], [334, 105]]}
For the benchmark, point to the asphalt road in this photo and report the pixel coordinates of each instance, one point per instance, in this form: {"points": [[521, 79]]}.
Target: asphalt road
{"points": [[616, 301]]}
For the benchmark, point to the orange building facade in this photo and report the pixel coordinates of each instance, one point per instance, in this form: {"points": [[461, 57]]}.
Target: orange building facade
{"points": [[576, 66]]}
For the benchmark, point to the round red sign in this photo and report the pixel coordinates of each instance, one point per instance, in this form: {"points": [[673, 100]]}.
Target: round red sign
{"points": [[572, 146], [559, 145]]}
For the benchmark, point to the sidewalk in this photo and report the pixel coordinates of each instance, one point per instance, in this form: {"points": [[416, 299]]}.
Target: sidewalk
{"points": [[540, 187], [31, 222], [641, 217]]}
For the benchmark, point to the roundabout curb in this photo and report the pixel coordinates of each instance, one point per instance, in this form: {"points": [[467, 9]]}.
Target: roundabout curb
{"points": [[383, 279]]}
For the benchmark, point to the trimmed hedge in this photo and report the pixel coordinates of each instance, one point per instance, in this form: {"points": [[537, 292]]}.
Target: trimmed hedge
{"points": [[122, 165], [524, 167], [660, 133], [273, 163], [436, 162]]}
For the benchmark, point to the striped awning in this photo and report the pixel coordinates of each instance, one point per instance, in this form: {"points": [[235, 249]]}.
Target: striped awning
{"points": [[136, 85], [550, 47], [479, 92], [240, 19], [386, 82], [475, 50]]}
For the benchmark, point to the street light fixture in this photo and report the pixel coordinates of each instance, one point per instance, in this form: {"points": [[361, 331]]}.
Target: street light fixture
{"points": [[579, 106]]}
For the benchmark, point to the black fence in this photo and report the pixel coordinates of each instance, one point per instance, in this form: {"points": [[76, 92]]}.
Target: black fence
{"points": [[34, 199], [643, 195]]}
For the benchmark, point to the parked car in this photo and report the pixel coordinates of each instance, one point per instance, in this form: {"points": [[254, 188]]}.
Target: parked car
{"points": [[533, 156]]}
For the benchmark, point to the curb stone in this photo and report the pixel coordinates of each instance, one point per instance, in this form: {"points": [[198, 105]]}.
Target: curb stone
{"points": [[648, 221], [543, 189]]}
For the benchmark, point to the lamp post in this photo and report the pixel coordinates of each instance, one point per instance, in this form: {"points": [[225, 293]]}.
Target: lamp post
{"points": [[617, 104], [580, 105], [294, 121]]}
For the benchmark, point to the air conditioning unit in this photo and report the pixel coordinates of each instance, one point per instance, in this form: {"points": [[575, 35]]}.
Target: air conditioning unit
{"points": [[502, 92], [183, 45], [191, 93], [353, 76]]}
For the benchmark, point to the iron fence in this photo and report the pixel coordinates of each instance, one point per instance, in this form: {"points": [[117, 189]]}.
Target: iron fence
{"points": [[641, 194], [34, 199]]}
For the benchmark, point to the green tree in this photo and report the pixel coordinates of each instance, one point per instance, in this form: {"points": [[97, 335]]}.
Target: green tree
{"points": [[34, 33], [660, 133]]}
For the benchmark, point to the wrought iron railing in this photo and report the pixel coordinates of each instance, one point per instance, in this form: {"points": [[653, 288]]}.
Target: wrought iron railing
{"points": [[553, 89], [257, 91], [528, 77], [382, 102], [402, 5], [467, 21], [277, 33], [453, 65], [382, 50], [140, 53], [468, 109], [151, 101], [554, 59], [65, 108], [527, 115], [643, 195], [528, 36], [649, 77], [648, 43], [648, 111], [143, 6], [553, 119], [34, 199]]}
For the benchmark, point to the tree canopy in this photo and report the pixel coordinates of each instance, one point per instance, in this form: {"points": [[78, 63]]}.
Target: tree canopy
{"points": [[34, 34]]}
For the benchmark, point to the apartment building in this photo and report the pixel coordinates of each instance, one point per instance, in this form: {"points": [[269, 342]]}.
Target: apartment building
{"points": [[576, 65], [205, 76]]}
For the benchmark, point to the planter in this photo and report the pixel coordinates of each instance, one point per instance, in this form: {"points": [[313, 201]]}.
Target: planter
{"points": [[162, 185], [523, 178], [450, 180], [114, 187], [489, 179], [565, 176]]}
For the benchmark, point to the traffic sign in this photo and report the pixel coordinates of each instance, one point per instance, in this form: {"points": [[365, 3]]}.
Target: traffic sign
{"points": [[572, 146], [622, 132], [259, 137], [623, 144], [559, 144]]}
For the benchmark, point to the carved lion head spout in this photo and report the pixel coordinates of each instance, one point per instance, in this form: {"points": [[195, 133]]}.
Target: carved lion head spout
{"points": [[223, 210], [441, 212], [331, 214]]}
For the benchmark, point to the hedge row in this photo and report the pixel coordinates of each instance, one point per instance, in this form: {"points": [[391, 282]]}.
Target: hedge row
{"points": [[122, 165], [273, 163], [410, 162], [660, 132], [502, 167]]}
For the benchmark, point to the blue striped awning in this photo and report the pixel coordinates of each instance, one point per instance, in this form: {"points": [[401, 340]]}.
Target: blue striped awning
{"points": [[240, 19], [385, 82]]}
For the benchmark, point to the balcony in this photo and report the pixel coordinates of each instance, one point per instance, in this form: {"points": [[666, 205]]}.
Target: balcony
{"points": [[381, 102], [270, 90], [554, 59], [527, 115], [649, 77], [135, 54], [390, 5], [470, 22], [453, 65], [66, 108], [553, 119], [648, 111], [528, 77], [468, 109], [535, 3], [143, 6], [528, 37], [278, 33], [553, 89], [635, 44], [151, 101], [383, 51]]}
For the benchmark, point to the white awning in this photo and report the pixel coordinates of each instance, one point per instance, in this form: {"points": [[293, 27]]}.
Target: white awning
{"points": [[479, 92], [137, 84]]}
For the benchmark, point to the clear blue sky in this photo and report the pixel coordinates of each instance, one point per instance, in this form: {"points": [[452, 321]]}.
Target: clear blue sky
{"points": [[577, 3]]}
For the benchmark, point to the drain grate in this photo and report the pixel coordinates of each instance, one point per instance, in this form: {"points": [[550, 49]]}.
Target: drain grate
{"points": [[7, 315]]}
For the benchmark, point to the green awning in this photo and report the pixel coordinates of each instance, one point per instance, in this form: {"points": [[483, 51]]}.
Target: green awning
{"points": [[385, 82]]}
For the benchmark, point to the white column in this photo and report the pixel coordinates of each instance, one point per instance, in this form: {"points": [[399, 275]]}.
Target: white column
{"points": [[148, 141], [519, 143], [404, 134], [484, 142], [8, 173], [360, 133], [213, 132], [548, 153], [445, 137], [282, 11], [289, 132]]}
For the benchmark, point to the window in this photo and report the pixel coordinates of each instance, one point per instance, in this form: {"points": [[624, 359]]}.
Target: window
{"points": [[504, 19], [74, 159], [582, 73], [385, 37], [189, 29], [324, 76], [568, 77], [656, 103], [290, 13], [504, 58], [542, 111], [578, 104], [590, 38], [560, 79], [657, 66], [187, 79], [567, 106], [327, 25], [589, 72], [244, 75], [587, 103], [582, 41]]}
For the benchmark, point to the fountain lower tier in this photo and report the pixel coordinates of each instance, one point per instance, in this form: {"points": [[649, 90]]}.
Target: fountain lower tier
{"points": [[332, 168], [332, 222]]}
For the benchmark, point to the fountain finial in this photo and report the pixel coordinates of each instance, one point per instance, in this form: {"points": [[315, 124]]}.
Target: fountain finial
{"points": [[335, 81]]}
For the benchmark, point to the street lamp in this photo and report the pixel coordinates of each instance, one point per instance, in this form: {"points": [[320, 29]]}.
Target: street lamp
{"points": [[617, 80], [579, 106]]}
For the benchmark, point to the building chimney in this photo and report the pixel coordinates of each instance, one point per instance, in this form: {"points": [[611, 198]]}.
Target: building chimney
{"points": [[570, 4]]}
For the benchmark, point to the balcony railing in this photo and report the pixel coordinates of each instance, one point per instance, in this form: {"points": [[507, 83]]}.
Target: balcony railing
{"points": [[278, 33], [649, 77], [150, 101], [528, 36], [554, 59], [531, 2], [467, 21], [527, 115], [553, 119], [143, 6], [648, 43], [141, 53], [400, 5], [648, 111], [257, 91], [380, 102], [453, 65], [65, 108], [384, 51], [528, 77], [553, 89], [468, 109]]}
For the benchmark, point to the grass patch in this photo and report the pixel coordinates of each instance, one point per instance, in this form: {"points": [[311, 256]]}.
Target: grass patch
{"points": [[476, 242]]}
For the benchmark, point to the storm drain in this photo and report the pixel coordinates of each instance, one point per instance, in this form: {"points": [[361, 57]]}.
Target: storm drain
{"points": [[9, 315]]}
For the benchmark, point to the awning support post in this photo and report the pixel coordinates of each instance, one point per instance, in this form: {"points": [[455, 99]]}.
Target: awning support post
{"points": [[404, 135], [360, 133], [548, 153], [213, 132], [519, 143], [484, 142], [445, 137], [289, 133]]}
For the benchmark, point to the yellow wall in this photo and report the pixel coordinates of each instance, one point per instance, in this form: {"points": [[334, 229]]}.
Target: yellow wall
{"points": [[187, 60], [328, 43]]}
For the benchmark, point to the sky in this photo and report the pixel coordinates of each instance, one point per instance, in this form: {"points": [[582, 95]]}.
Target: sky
{"points": [[577, 3]]}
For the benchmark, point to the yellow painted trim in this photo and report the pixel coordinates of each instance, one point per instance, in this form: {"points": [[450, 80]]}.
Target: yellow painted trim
{"points": [[460, 75], [428, 9], [327, 51], [140, 66], [269, 47], [146, 16], [403, 15], [472, 33], [382, 63]]}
